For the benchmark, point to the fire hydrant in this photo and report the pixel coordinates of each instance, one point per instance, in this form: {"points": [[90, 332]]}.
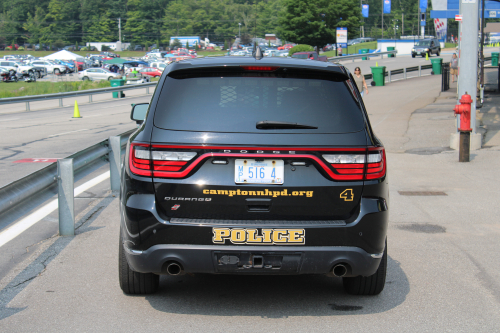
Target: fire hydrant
{"points": [[463, 110]]}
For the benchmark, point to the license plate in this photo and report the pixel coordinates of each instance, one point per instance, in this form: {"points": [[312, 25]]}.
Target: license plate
{"points": [[250, 171]]}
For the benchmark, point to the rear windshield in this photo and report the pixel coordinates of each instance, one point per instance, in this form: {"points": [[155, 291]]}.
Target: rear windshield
{"points": [[236, 104], [425, 43]]}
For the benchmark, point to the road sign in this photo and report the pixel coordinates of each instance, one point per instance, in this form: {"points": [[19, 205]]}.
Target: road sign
{"points": [[342, 37], [458, 18]]}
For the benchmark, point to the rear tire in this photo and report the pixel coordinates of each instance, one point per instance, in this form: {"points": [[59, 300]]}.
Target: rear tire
{"points": [[135, 283], [56, 71], [438, 52], [38, 76], [85, 78], [368, 285]]}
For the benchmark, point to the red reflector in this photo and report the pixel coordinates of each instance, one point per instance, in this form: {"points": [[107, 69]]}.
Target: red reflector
{"points": [[348, 166], [349, 171], [180, 163], [260, 68]]}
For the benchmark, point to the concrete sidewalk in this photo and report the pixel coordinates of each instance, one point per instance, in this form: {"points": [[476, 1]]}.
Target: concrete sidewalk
{"points": [[442, 242]]}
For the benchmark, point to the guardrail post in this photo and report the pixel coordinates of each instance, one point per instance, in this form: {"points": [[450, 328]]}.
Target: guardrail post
{"points": [[27, 106], [404, 72], [60, 103], [389, 76], [147, 90], [65, 193], [419, 70], [381, 56], [115, 161], [90, 98]]}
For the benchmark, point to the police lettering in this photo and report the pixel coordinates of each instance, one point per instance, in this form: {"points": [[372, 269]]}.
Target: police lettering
{"points": [[264, 237]]}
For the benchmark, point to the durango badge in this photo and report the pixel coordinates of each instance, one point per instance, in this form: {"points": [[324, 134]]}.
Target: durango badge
{"points": [[266, 236]]}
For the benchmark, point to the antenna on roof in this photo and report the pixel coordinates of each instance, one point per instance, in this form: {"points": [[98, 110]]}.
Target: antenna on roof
{"points": [[257, 52]]}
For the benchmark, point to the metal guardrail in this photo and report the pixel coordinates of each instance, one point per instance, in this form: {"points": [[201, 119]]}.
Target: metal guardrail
{"points": [[22, 189], [60, 96], [359, 56]]}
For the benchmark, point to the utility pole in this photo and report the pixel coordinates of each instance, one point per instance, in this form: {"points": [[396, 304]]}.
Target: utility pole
{"points": [[402, 24], [382, 19], [120, 29], [468, 62]]}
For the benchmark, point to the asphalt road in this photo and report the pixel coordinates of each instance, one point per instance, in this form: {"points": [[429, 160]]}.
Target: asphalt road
{"points": [[54, 133], [443, 253]]}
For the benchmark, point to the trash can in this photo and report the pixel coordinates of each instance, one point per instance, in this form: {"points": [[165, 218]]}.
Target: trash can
{"points": [[118, 83], [391, 48], [494, 58], [378, 75], [364, 51], [436, 65]]}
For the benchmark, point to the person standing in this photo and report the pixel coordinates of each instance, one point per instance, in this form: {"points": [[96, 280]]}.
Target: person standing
{"points": [[360, 81], [454, 67]]}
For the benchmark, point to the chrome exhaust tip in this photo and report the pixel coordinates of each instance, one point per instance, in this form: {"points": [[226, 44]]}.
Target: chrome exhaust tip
{"points": [[339, 270], [174, 269]]}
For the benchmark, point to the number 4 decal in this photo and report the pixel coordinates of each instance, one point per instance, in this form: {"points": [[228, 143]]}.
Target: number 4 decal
{"points": [[347, 195]]}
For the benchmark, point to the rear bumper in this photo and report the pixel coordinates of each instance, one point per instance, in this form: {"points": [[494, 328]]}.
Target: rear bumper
{"points": [[277, 261]]}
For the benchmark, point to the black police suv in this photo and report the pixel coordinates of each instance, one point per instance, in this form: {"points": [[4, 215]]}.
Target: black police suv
{"points": [[250, 165]]}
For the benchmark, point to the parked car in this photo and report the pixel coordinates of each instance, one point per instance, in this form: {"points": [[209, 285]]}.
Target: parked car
{"points": [[313, 55], [138, 48], [97, 74], [150, 71], [426, 46], [50, 66]]}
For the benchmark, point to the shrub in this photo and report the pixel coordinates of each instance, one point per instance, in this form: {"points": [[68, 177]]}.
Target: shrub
{"points": [[84, 49], [104, 48], [300, 48], [9, 48], [21, 48]]}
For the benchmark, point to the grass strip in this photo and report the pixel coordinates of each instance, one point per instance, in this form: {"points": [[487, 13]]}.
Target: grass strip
{"points": [[21, 88]]}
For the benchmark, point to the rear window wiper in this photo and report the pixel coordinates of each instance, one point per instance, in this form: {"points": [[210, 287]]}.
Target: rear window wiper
{"points": [[266, 124]]}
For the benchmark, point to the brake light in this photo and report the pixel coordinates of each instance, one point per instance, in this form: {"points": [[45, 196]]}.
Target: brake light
{"points": [[357, 166], [260, 68]]}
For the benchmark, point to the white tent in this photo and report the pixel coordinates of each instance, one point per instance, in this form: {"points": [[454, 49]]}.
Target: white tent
{"points": [[64, 55]]}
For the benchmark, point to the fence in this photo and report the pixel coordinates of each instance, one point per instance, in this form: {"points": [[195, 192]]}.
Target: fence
{"points": [[360, 56]]}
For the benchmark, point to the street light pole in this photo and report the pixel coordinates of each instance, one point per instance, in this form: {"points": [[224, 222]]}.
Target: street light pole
{"points": [[239, 30]]}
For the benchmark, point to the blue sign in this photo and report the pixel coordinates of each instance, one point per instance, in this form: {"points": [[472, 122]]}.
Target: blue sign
{"points": [[364, 10], [423, 5], [387, 6]]}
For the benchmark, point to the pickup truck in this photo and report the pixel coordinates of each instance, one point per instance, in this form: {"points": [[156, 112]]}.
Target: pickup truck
{"points": [[21, 68], [309, 55]]}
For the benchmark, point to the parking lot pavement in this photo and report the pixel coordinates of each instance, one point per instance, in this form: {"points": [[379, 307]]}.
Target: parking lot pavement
{"points": [[442, 243]]}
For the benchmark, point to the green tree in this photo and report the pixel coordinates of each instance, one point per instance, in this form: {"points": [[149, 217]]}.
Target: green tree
{"points": [[187, 45], [176, 43], [34, 25], [314, 21]]}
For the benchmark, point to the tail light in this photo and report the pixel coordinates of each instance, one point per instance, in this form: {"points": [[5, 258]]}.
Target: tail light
{"points": [[161, 161], [146, 160], [358, 166]]}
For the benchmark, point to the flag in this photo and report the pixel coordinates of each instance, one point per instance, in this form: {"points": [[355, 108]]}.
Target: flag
{"points": [[364, 10], [387, 6]]}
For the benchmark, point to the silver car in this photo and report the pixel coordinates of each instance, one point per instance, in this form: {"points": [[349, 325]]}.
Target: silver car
{"points": [[97, 74]]}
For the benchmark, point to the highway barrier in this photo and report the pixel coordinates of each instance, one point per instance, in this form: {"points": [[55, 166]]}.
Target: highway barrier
{"points": [[17, 192]]}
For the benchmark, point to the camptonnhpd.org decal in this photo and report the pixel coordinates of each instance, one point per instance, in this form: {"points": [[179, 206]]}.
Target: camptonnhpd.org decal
{"points": [[263, 193]]}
